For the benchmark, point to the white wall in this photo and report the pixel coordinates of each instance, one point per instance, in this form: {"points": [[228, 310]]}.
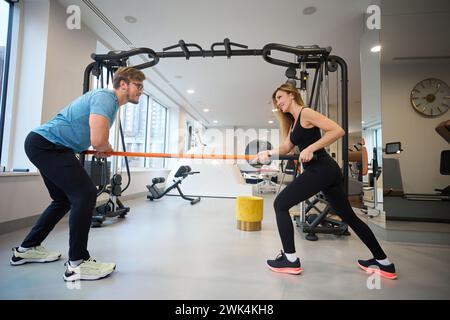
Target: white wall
{"points": [[67, 58], [25, 195], [22, 196], [419, 162]]}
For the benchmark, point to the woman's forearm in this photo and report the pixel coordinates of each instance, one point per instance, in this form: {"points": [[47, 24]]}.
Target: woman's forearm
{"points": [[280, 150]]}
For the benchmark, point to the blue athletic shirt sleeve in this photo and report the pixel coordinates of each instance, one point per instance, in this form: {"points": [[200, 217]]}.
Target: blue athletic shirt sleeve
{"points": [[104, 104]]}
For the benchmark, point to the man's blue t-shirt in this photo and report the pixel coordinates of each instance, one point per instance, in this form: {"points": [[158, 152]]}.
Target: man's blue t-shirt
{"points": [[70, 127]]}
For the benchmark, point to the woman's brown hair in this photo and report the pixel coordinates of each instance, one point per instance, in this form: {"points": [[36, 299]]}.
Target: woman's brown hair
{"points": [[286, 119]]}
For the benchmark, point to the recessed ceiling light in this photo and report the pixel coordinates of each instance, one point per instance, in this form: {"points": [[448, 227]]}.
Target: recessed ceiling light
{"points": [[190, 91], [376, 48], [215, 121], [206, 110], [130, 19], [270, 121], [274, 110], [309, 10]]}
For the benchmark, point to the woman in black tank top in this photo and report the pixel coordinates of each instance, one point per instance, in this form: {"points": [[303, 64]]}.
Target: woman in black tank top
{"points": [[300, 126]]}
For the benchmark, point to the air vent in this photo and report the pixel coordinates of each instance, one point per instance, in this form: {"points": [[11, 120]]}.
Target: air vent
{"points": [[107, 22]]}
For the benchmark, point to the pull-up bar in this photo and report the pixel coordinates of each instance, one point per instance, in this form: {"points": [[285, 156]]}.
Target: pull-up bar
{"points": [[313, 54]]}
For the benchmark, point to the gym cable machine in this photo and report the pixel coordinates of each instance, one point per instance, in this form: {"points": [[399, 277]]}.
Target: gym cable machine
{"points": [[307, 57]]}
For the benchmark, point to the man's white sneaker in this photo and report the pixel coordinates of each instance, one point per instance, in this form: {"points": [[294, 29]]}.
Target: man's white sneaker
{"points": [[34, 254], [89, 269]]}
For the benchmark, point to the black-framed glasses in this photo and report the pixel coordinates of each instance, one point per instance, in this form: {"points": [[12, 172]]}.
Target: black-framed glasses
{"points": [[139, 86]]}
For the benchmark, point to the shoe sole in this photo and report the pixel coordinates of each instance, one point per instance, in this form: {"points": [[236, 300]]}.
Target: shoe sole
{"points": [[77, 277], [286, 270], [384, 274], [25, 260]]}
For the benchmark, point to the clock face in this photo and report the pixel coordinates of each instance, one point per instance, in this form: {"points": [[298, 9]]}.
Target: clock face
{"points": [[431, 97]]}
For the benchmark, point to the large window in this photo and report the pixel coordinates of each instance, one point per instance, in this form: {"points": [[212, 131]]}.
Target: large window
{"points": [[144, 130], [134, 125], [5, 35], [157, 137]]}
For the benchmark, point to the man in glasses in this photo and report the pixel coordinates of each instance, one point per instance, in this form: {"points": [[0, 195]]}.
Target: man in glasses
{"points": [[51, 147]]}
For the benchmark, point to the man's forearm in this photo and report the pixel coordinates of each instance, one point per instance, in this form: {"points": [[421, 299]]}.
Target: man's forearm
{"points": [[103, 147]]}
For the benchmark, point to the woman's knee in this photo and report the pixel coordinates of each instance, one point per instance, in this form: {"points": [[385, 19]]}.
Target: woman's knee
{"points": [[280, 205]]}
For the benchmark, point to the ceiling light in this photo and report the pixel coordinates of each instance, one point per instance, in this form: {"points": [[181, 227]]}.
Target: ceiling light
{"points": [[215, 121], [190, 91], [309, 10], [206, 110], [376, 48], [270, 121], [274, 109], [130, 19]]}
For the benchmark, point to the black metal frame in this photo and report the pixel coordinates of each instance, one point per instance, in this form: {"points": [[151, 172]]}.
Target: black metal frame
{"points": [[321, 223], [311, 57], [113, 207]]}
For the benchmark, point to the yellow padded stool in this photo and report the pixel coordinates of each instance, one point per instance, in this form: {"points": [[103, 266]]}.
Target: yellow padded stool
{"points": [[249, 213]]}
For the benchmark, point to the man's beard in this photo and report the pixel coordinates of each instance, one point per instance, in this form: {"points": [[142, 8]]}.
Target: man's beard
{"points": [[133, 101]]}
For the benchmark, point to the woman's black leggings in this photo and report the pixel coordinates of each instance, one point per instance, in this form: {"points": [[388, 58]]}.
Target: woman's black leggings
{"points": [[323, 175]]}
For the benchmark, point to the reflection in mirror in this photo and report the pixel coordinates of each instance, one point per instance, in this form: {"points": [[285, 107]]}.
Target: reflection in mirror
{"points": [[371, 121], [415, 93]]}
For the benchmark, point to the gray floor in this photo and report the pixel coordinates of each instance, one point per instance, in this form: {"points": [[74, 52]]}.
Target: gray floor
{"points": [[168, 249]]}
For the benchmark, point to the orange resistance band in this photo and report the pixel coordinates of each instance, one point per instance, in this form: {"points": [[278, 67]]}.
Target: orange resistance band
{"points": [[174, 155]]}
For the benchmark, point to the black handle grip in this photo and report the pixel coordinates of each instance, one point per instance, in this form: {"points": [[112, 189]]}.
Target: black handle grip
{"points": [[299, 51], [293, 157], [184, 48], [285, 157]]}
